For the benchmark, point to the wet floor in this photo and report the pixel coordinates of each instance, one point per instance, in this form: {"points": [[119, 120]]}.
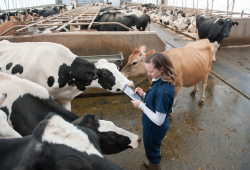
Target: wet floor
{"points": [[213, 136]]}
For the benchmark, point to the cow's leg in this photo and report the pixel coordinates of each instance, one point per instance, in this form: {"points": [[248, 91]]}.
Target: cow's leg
{"points": [[177, 89], [204, 85], [197, 35], [193, 92], [216, 47], [148, 27], [66, 105]]}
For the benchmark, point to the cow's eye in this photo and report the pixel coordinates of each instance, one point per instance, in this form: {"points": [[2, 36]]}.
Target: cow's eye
{"points": [[134, 63], [88, 75], [104, 73]]}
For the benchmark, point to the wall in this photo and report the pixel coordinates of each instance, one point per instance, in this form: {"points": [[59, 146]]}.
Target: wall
{"points": [[239, 35], [98, 43]]}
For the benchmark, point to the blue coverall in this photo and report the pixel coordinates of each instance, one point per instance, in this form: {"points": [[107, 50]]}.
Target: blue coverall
{"points": [[159, 97]]}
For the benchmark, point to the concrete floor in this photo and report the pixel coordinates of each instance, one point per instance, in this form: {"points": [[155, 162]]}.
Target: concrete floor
{"points": [[213, 136]]}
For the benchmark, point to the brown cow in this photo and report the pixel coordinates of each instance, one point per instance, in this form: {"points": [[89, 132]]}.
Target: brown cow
{"points": [[21, 20], [192, 63]]}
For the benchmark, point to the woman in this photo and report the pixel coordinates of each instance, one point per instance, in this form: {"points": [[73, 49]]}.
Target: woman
{"points": [[158, 104]]}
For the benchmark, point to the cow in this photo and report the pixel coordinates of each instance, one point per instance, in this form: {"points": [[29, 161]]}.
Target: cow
{"points": [[55, 67], [180, 24], [127, 20], [192, 63], [167, 20], [28, 104], [54, 144], [130, 20], [6, 131], [7, 25], [51, 29], [47, 11], [3, 16], [214, 29], [143, 22], [184, 23], [192, 26], [109, 8], [15, 21]]}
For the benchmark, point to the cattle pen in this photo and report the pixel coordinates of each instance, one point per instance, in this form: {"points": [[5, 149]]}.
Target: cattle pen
{"points": [[212, 136]]}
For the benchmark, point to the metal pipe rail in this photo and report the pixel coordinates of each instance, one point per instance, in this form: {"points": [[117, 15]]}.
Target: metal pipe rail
{"points": [[64, 25], [50, 18], [8, 30], [93, 19], [84, 15], [104, 23]]}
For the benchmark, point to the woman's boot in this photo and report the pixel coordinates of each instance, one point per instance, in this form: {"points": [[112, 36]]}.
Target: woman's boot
{"points": [[152, 166], [145, 165]]}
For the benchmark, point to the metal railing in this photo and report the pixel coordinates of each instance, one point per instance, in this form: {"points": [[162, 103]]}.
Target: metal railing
{"points": [[83, 15]]}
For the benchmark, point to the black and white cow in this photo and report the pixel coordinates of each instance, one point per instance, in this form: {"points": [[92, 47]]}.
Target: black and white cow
{"points": [[143, 22], [54, 144], [214, 29], [56, 68], [28, 103], [128, 20], [6, 131], [109, 8], [47, 11]]}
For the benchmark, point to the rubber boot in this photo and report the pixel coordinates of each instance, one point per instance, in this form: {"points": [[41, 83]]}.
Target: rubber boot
{"points": [[152, 166], [145, 165]]}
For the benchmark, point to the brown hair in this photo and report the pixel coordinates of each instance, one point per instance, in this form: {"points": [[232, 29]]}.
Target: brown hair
{"points": [[162, 60]]}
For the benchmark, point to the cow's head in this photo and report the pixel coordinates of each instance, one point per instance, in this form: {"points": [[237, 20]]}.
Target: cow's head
{"points": [[80, 74], [226, 25], [113, 139], [57, 144], [136, 63], [109, 77]]}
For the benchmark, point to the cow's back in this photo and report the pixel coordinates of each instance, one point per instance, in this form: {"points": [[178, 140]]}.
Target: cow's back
{"points": [[192, 62], [35, 61]]}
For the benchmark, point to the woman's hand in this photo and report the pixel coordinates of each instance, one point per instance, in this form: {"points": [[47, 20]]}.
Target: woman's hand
{"points": [[139, 91], [136, 103]]}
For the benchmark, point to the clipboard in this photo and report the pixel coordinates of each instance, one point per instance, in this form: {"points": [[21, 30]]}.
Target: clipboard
{"points": [[130, 93]]}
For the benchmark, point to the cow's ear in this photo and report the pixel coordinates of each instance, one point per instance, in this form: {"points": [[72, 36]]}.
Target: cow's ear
{"points": [[235, 24], [143, 48], [118, 63], [150, 52], [135, 51], [86, 121]]}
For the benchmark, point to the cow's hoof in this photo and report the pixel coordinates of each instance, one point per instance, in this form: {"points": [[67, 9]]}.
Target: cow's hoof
{"points": [[192, 93], [201, 102]]}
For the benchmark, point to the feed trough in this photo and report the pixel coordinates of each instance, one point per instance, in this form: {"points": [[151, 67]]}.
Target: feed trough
{"points": [[113, 58]]}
